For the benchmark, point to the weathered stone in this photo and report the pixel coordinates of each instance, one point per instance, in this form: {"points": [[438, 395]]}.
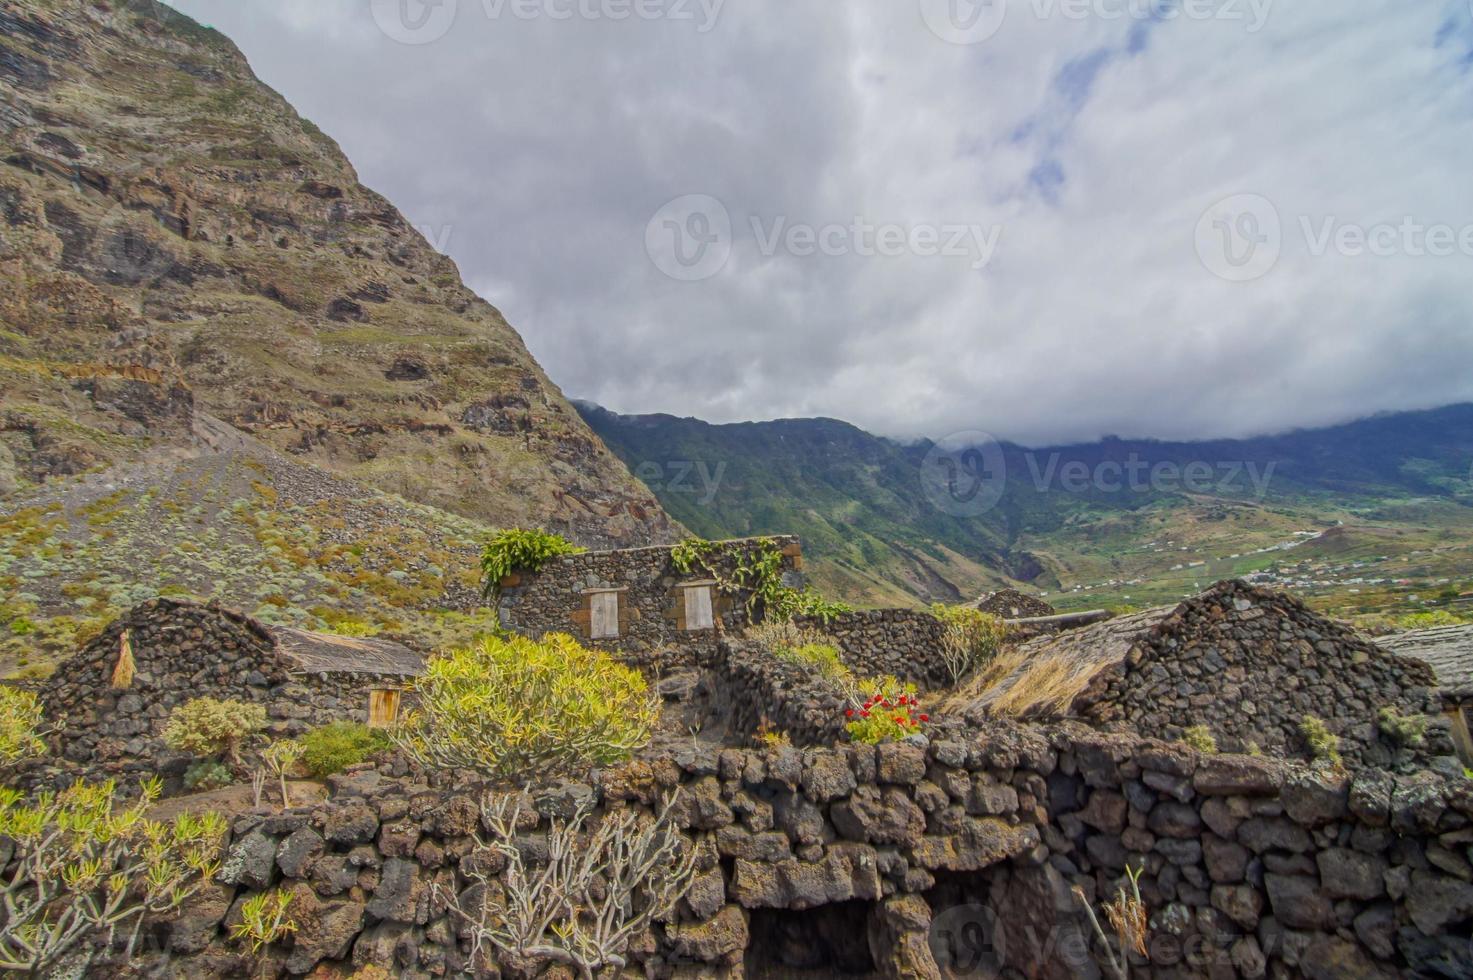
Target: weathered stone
{"points": [[352, 823], [719, 938], [402, 893], [1346, 873], [847, 871], [901, 764], [1105, 811], [1237, 775], [1263, 833], [1297, 901], [250, 862], [1317, 797], [1175, 820], [1436, 901], [890, 819], [827, 777], [1226, 860], [1241, 903], [297, 851], [981, 842]]}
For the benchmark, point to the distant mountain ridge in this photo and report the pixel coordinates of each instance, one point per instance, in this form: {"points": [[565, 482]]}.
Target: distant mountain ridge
{"points": [[876, 534]]}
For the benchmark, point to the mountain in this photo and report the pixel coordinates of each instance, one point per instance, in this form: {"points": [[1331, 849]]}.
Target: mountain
{"points": [[176, 241], [1117, 522]]}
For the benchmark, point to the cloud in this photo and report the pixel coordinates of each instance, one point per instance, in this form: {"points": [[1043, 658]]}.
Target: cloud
{"points": [[1090, 146]]}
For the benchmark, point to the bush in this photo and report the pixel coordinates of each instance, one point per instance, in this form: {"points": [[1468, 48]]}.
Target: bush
{"points": [[783, 635], [207, 774], [970, 639], [517, 550], [1199, 737], [1323, 744], [1407, 731], [82, 869], [265, 918], [209, 727], [333, 748], [510, 707], [20, 721], [885, 716]]}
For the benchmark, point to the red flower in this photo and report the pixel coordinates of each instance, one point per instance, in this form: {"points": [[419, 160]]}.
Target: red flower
{"points": [[925, 717], [864, 713], [849, 713]]}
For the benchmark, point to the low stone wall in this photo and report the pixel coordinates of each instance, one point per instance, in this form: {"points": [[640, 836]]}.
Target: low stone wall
{"points": [[753, 686], [905, 643], [903, 859], [651, 602], [1251, 664]]}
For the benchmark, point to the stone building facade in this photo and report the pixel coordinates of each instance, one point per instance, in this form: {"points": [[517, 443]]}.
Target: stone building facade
{"points": [[637, 600]]}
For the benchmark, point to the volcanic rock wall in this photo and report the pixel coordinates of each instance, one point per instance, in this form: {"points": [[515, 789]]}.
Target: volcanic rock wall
{"points": [[900, 857], [904, 643], [1252, 664]]}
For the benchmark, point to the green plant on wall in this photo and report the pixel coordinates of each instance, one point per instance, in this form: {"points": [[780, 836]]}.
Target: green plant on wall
{"points": [[520, 550], [757, 569]]}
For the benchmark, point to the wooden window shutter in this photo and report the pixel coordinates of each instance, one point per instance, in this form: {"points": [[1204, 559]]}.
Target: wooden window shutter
{"points": [[605, 615], [383, 708], [698, 610]]}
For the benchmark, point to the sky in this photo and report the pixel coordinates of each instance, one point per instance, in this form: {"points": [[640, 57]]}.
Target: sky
{"points": [[1046, 219]]}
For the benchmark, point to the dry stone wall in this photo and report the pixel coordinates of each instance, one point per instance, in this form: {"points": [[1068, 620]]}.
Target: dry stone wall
{"points": [[908, 859], [1252, 664], [905, 643]]}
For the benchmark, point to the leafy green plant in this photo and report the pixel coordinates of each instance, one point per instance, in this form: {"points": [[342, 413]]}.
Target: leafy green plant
{"points": [[1200, 737], [207, 774], [265, 918], [207, 727], [332, 748], [757, 569], [970, 638], [83, 868], [1407, 731], [780, 636], [281, 758], [1323, 744], [821, 659], [518, 550], [506, 707], [885, 716], [20, 723]]}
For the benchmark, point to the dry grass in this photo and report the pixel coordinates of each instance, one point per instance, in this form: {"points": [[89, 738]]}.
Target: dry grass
{"points": [[1027, 685]]}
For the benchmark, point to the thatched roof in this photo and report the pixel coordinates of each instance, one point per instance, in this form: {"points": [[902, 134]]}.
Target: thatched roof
{"points": [[322, 653], [1448, 650], [1058, 664]]}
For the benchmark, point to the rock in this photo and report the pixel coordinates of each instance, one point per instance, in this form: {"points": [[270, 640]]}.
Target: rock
{"points": [[1376, 929], [324, 931], [1105, 811], [901, 764], [982, 842], [297, 851], [1346, 873], [251, 862], [826, 777], [1435, 901], [890, 819], [846, 871], [899, 939], [707, 894], [200, 917], [720, 938], [402, 894], [1262, 833], [1226, 861], [1298, 903], [1333, 958], [352, 823], [1316, 798], [1174, 820], [1241, 903]]}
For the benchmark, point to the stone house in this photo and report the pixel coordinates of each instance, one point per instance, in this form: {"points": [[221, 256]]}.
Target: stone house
{"points": [[1249, 664], [638, 600], [107, 705], [1448, 650]]}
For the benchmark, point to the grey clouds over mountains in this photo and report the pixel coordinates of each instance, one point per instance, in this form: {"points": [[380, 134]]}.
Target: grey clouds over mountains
{"points": [[1049, 219]]}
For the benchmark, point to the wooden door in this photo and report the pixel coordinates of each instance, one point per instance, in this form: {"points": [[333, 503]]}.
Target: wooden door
{"points": [[604, 615], [383, 708], [698, 614]]}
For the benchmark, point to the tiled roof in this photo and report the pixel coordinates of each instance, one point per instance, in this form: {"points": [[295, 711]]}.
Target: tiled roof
{"points": [[322, 653], [1448, 650]]}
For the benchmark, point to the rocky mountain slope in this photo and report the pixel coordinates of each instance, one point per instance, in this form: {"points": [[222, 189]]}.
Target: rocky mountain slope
{"points": [[1365, 514], [176, 240]]}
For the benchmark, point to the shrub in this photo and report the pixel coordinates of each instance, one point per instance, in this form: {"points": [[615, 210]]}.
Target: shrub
{"points": [[757, 569], [207, 774], [513, 706], [821, 659], [598, 889], [519, 549], [20, 721], [333, 748], [970, 638], [264, 919], [885, 717], [783, 635], [1323, 744], [1407, 731], [209, 727], [1200, 737], [81, 867]]}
